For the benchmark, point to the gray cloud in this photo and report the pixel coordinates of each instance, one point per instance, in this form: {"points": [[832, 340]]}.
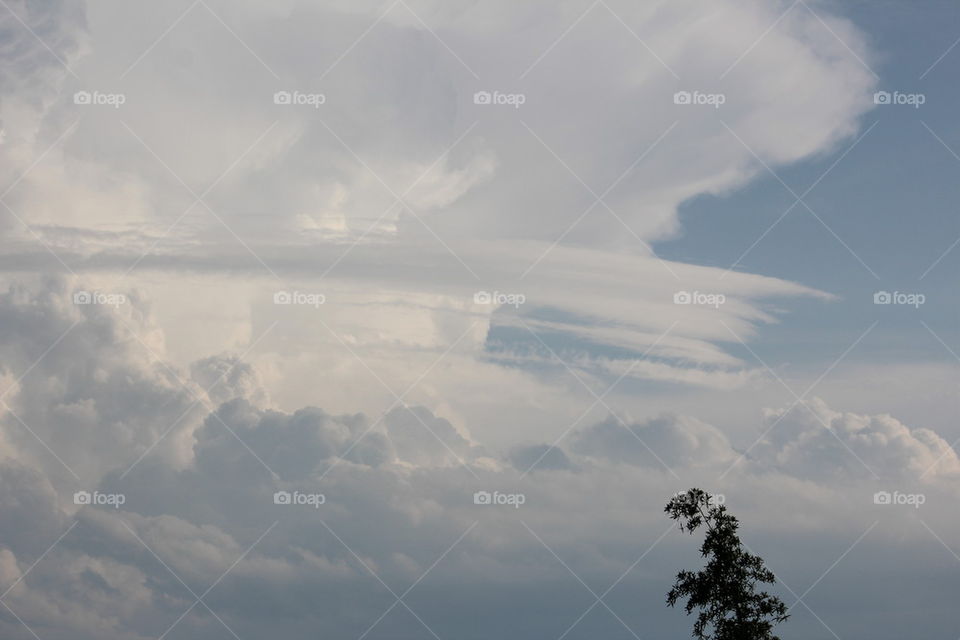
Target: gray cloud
{"points": [[664, 441], [398, 498], [540, 457]]}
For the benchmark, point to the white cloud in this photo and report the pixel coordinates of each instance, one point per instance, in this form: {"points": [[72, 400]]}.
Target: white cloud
{"points": [[820, 442], [499, 200]]}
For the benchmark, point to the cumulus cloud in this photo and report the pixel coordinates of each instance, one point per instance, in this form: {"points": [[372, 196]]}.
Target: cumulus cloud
{"points": [[820, 442], [31, 504], [294, 444], [227, 377], [540, 457], [423, 439], [394, 497], [86, 389], [666, 441], [397, 492], [300, 563]]}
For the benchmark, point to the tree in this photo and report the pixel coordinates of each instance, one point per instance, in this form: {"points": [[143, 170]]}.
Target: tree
{"points": [[725, 589]]}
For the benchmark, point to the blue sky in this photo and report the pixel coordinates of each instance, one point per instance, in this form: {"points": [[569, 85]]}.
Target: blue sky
{"points": [[891, 199]]}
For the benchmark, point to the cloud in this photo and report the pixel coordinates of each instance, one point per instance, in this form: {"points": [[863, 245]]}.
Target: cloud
{"points": [[422, 439], [819, 442], [398, 519], [198, 107], [394, 496], [86, 389], [294, 444], [540, 457], [41, 41], [226, 377], [399, 199], [666, 441], [404, 188], [32, 505]]}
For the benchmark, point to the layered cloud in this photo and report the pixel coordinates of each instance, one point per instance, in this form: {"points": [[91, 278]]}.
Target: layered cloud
{"points": [[390, 180]]}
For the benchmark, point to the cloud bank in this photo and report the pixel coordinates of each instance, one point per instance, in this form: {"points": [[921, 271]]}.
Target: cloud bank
{"points": [[397, 491]]}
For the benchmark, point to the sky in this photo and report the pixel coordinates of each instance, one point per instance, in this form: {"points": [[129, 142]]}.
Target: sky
{"points": [[405, 319]]}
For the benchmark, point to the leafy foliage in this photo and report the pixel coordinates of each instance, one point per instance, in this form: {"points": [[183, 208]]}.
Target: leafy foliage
{"points": [[725, 589]]}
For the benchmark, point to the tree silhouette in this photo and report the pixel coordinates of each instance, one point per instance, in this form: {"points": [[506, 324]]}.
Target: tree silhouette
{"points": [[725, 589]]}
